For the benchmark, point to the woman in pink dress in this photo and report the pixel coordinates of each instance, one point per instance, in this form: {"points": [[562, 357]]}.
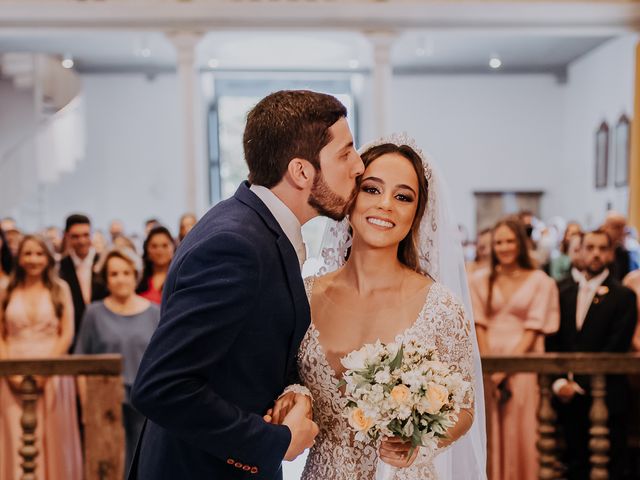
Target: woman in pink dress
{"points": [[158, 251], [514, 307], [36, 320]]}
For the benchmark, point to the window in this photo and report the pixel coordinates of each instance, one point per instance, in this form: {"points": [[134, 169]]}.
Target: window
{"points": [[227, 116]]}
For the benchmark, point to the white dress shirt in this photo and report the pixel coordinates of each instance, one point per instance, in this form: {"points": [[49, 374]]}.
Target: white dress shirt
{"points": [[586, 291], [285, 218], [84, 272]]}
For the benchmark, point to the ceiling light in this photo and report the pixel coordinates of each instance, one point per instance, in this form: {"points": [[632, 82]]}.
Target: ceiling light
{"points": [[213, 63], [67, 61], [495, 62], [353, 63], [425, 47]]}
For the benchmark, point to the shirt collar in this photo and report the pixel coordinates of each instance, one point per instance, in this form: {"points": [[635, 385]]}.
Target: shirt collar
{"points": [[596, 281], [576, 275], [77, 261], [284, 216]]}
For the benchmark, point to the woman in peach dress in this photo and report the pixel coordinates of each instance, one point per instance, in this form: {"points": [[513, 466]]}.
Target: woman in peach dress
{"points": [[36, 320], [514, 307]]}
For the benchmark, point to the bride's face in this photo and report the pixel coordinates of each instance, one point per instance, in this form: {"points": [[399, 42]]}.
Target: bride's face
{"points": [[387, 201]]}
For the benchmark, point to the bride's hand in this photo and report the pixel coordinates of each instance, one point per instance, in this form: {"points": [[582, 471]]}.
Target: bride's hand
{"points": [[395, 452], [284, 405]]}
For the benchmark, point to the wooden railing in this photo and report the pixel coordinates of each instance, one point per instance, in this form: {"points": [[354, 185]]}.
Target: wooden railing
{"points": [[597, 365], [102, 416]]}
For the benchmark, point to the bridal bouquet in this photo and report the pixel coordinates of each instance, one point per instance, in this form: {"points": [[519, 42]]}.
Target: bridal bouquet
{"points": [[401, 391]]}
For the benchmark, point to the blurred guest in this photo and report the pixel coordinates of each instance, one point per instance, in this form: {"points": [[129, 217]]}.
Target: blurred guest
{"points": [[125, 242], [122, 323], [36, 320], [8, 223], [483, 252], [149, 225], [158, 251], [597, 314], [99, 242], [6, 262], [116, 229], [632, 281], [53, 238], [514, 306], [560, 267], [13, 236], [187, 221], [77, 268], [633, 246], [615, 225]]}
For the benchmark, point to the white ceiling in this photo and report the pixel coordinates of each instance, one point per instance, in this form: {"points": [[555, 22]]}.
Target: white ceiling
{"points": [[419, 50]]}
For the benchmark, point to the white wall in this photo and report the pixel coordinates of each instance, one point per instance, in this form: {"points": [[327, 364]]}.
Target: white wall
{"points": [[17, 115], [485, 132], [133, 169], [600, 87]]}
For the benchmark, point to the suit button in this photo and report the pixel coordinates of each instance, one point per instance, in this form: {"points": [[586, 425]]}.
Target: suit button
{"points": [[246, 468], [238, 465], [254, 469], [230, 461]]}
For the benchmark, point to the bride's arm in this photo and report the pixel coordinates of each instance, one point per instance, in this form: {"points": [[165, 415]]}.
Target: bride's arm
{"points": [[462, 426]]}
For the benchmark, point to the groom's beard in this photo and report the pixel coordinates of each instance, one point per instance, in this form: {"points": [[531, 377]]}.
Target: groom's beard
{"points": [[327, 202]]}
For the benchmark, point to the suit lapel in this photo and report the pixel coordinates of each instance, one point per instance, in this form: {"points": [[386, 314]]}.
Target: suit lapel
{"points": [[572, 302], [290, 265], [593, 314], [72, 277]]}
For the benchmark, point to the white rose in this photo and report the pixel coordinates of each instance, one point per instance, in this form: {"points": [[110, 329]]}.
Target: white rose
{"points": [[355, 360]]}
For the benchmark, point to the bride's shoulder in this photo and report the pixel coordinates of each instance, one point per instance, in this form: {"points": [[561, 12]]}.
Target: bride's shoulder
{"points": [[315, 282], [445, 298]]}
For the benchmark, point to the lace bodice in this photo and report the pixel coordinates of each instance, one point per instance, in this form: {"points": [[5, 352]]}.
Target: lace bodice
{"points": [[442, 325]]}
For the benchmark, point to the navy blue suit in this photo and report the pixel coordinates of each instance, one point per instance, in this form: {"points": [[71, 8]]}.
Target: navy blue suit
{"points": [[234, 312]]}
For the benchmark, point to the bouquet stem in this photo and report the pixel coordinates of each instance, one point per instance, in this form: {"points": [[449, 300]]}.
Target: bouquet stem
{"points": [[384, 471]]}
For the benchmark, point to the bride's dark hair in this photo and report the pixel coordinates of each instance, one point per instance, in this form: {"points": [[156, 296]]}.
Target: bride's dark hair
{"points": [[408, 248]]}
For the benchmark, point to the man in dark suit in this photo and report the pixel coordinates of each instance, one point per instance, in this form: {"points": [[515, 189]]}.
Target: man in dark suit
{"points": [[78, 267], [234, 308], [597, 314]]}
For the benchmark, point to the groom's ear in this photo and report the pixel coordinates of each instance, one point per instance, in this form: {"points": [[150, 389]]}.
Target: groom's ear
{"points": [[301, 173]]}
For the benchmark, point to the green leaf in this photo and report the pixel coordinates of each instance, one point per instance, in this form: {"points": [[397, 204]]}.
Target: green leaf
{"points": [[397, 361]]}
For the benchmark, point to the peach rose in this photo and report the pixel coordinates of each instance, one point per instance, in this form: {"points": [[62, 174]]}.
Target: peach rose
{"points": [[400, 393], [359, 421], [436, 397]]}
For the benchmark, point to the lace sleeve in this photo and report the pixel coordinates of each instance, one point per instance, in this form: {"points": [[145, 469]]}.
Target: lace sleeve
{"points": [[453, 342]]}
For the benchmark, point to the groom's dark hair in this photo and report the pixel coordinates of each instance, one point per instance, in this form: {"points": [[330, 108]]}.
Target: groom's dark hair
{"points": [[285, 125]]}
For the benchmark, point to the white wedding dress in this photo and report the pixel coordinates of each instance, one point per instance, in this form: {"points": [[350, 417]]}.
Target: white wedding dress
{"points": [[336, 455]]}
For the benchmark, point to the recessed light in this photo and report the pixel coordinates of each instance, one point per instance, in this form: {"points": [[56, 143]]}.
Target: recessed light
{"points": [[145, 52], [495, 62], [67, 62]]}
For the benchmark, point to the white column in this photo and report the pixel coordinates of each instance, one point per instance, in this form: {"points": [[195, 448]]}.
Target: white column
{"points": [[381, 42], [185, 44]]}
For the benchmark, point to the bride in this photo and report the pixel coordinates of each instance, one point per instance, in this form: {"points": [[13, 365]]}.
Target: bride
{"points": [[399, 277]]}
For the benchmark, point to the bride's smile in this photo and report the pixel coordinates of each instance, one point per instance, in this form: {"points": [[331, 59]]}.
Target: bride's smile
{"points": [[386, 204]]}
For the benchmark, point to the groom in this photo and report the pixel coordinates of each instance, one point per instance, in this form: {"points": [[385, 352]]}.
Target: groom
{"points": [[234, 308]]}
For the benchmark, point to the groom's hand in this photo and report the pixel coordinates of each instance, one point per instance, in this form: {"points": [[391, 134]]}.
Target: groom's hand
{"points": [[303, 431], [284, 404]]}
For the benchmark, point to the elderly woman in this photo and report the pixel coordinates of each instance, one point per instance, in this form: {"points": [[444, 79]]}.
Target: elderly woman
{"points": [[121, 323]]}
